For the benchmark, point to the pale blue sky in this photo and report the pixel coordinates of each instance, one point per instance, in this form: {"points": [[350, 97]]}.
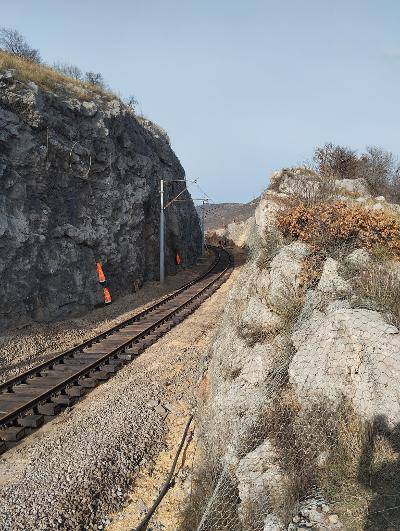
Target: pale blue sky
{"points": [[243, 87]]}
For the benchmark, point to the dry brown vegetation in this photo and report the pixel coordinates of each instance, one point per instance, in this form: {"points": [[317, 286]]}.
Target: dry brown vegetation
{"points": [[48, 78], [329, 225], [381, 284]]}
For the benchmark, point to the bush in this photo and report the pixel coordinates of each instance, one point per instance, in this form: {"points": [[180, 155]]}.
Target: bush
{"points": [[328, 226], [377, 166], [14, 43], [95, 78], [379, 169], [336, 161]]}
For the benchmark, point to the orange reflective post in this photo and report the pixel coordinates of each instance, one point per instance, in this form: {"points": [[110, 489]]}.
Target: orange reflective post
{"points": [[178, 259], [107, 296], [100, 273]]}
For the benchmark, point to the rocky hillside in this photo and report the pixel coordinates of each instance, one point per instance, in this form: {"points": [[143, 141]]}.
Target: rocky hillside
{"points": [[219, 215], [80, 178], [300, 423]]}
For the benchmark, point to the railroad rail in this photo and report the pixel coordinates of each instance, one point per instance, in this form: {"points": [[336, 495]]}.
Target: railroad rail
{"points": [[28, 399]]}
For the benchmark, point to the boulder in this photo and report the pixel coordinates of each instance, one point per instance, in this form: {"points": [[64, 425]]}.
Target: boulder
{"points": [[352, 354], [331, 282], [271, 203], [285, 271], [260, 477], [257, 315]]}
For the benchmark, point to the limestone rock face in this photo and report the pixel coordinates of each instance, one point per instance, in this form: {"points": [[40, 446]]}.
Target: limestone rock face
{"points": [[331, 281], [79, 183], [351, 353]]}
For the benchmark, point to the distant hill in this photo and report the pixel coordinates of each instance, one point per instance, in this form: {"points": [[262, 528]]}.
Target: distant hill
{"points": [[219, 215]]}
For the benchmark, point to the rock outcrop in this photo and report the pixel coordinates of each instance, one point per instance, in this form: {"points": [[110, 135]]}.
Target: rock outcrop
{"points": [[298, 369], [80, 183]]}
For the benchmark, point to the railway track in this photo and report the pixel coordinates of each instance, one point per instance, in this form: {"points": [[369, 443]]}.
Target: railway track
{"points": [[29, 399]]}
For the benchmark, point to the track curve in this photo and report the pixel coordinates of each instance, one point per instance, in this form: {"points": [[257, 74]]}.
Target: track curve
{"points": [[42, 391]]}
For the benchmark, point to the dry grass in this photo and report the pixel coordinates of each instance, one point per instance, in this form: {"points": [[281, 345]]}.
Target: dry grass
{"points": [[319, 448], [381, 284], [329, 449], [48, 78]]}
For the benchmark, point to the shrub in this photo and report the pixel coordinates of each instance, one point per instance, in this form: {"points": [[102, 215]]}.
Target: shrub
{"points": [[69, 70], [377, 166], [336, 161], [14, 43], [329, 225]]}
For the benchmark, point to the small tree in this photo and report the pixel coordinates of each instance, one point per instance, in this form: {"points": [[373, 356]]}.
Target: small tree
{"points": [[95, 78], [131, 101], [378, 167], [69, 70], [336, 161], [13, 42]]}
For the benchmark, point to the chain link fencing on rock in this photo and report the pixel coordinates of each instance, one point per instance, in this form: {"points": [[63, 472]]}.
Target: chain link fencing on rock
{"points": [[300, 425]]}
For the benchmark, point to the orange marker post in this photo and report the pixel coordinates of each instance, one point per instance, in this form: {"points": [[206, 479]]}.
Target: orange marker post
{"points": [[107, 296], [100, 273], [178, 259]]}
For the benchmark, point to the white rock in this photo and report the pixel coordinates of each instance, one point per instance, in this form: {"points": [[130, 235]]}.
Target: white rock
{"points": [[257, 315], [331, 281], [350, 353], [272, 523], [285, 271], [258, 473], [88, 108], [358, 259]]}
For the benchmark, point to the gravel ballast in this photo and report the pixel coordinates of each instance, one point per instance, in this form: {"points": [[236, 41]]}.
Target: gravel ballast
{"points": [[77, 469]]}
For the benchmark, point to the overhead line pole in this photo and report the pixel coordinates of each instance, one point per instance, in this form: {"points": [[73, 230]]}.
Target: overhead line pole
{"points": [[162, 235]]}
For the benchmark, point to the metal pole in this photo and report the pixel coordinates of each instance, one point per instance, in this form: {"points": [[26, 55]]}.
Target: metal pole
{"points": [[162, 236], [202, 230]]}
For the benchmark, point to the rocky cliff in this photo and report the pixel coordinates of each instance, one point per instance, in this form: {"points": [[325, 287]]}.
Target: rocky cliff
{"points": [[79, 177], [300, 427]]}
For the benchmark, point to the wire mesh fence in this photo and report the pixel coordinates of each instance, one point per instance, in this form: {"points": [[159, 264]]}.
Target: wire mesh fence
{"points": [[301, 425]]}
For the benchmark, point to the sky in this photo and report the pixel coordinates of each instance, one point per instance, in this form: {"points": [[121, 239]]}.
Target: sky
{"points": [[243, 87]]}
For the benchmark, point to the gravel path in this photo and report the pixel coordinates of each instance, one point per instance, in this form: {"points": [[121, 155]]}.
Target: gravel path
{"points": [[77, 469], [21, 349]]}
